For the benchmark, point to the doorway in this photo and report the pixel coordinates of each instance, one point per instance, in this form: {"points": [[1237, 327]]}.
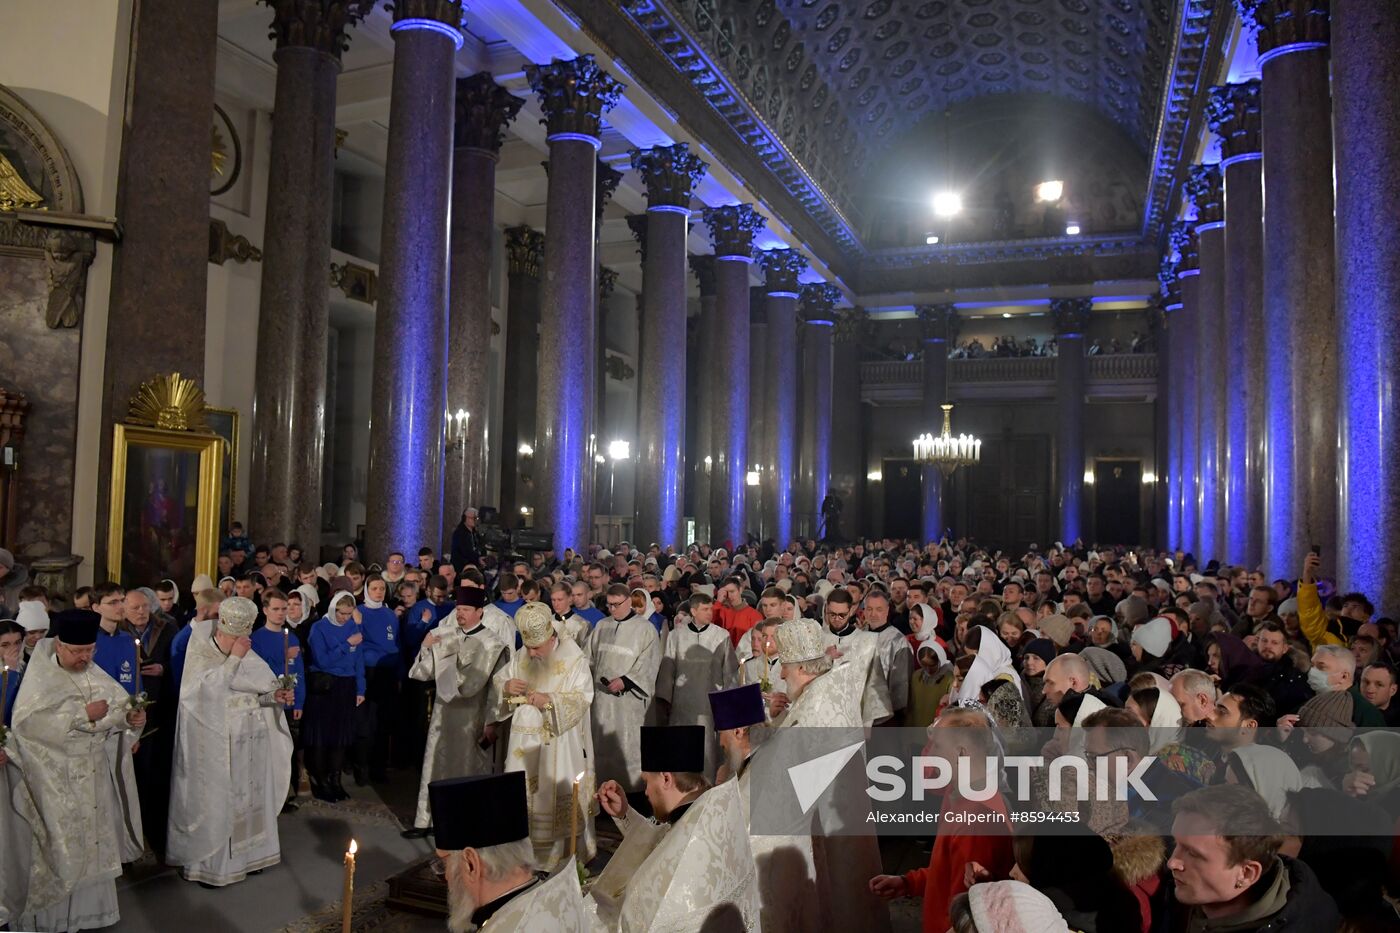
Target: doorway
{"points": [[1118, 501], [904, 498]]}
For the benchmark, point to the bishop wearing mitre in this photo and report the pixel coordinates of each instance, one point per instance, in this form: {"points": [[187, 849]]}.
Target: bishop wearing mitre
{"points": [[73, 729], [546, 693], [233, 753], [460, 659], [690, 869]]}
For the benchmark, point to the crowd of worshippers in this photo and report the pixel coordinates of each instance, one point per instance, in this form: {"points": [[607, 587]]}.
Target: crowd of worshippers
{"points": [[531, 696]]}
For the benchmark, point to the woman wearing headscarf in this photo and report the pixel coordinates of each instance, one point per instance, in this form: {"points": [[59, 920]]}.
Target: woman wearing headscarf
{"points": [[1000, 906], [930, 683], [992, 680], [1267, 770], [1038, 654], [1156, 708], [1375, 770], [335, 687]]}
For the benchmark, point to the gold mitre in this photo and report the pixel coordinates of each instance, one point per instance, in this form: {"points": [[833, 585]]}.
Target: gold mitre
{"points": [[799, 640], [535, 622], [237, 615]]}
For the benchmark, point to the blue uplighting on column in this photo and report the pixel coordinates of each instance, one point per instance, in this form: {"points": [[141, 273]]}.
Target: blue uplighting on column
{"points": [[1279, 530], [1366, 465]]}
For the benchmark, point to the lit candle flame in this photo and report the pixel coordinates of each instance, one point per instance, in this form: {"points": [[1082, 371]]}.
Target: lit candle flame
{"points": [[578, 779], [353, 848]]}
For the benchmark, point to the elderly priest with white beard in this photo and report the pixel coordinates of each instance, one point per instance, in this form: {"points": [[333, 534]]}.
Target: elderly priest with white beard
{"points": [[692, 869], [546, 692], [73, 729], [481, 828], [233, 754]]}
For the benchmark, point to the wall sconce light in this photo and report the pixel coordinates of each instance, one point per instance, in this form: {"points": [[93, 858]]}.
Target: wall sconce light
{"points": [[1089, 477], [751, 478], [1149, 478], [874, 476]]}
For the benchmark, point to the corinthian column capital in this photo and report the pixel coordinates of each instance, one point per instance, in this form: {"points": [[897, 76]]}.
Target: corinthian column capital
{"points": [[1204, 188], [781, 267], [1282, 26], [1070, 316], [819, 302], [574, 95], [1232, 110], [670, 173], [939, 322], [852, 324], [316, 24], [607, 179], [524, 250], [732, 229], [483, 111], [1184, 242]]}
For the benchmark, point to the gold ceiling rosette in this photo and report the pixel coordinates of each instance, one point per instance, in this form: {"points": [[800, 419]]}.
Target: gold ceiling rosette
{"points": [[168, 401]]}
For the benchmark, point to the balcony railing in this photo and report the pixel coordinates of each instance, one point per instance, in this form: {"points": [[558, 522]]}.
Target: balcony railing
{"points": [[902, 380]]}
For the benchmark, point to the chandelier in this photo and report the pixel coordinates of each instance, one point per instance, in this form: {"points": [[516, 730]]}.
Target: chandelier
{"points": [[946, 451]]}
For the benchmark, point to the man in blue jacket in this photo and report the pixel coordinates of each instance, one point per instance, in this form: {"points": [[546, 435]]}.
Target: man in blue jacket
{"points": [[279, 646]]}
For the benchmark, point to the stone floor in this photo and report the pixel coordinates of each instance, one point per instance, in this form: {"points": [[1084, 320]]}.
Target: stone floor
{"points": [[303, 894]]}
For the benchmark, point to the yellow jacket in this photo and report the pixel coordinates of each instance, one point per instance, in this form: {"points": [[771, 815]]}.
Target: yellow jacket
{"points": [[1313, 620]]}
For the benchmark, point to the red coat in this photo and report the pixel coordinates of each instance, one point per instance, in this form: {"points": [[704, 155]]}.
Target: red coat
{"points": [[736, 622], [988, 844]]}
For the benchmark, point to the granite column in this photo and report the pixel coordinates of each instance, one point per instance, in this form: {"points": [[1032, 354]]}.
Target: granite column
{"points": [[1233, 111], [409, 399], [483, 110], [524, 256], [1366, 139], [669, 173], [160, 269], [781, 268], [573, 95], [1070, 317], [819, 319], [732, 229], [1188, 273], [1300, 341], [1203, 187], [938, 324], [1169, 352], [289, 401], [849, 422], [701, 459]]}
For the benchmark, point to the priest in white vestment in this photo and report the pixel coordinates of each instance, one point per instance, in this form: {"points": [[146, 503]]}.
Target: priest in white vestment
{"points": [[787, 871], [848, 643], [697, 659], [73, 730], [892, 649], [460, 658], [233, 754], [827, 693], [546, 693], [15, 834], [765, 668], [625, 654], [690, 870], [481, 830]]}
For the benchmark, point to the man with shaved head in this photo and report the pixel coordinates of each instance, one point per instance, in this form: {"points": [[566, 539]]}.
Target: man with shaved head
{"points": [[1067, 672]]}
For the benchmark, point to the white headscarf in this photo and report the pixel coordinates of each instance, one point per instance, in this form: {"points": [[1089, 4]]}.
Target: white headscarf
{"points": [[200, 584], [928, 629], [1165, 727], [993, 660], [1273, 774], [309, 599], [335, 600]]}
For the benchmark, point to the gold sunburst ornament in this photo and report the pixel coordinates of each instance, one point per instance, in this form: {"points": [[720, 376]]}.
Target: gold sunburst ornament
{"points": [[171, 402]]}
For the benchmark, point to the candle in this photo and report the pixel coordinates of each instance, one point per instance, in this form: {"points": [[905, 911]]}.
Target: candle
{"points": [[573, 818], [4, 691], [286, 650], [137, 639], [349, 886]]}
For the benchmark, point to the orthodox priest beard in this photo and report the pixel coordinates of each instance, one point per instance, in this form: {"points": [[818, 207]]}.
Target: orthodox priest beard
{"points": [[460, 907]]}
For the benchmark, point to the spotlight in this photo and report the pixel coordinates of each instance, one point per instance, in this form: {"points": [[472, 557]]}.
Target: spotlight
{"points": [[1072, 230], [751, 478], [1006, 314], [874, 476], [931, 239], [619, 450], [947, 203], [526, 450], [599, 458], [1049, 191]]}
